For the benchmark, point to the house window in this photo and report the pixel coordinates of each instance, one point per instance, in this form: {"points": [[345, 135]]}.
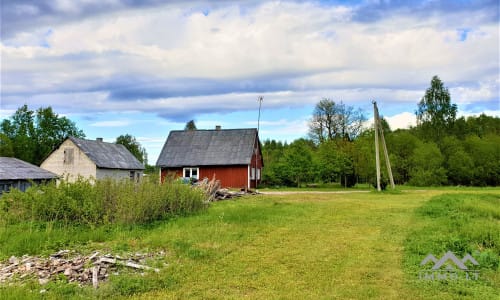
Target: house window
{"points": [[252, 174], [191, 173], [68, 156], [132, 175]]}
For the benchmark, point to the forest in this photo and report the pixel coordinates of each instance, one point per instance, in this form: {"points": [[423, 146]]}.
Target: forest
{"points": [[442, 149]]}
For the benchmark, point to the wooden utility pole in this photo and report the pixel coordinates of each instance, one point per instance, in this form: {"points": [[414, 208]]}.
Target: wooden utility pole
{"points": [[377, 152], [378, 127]]}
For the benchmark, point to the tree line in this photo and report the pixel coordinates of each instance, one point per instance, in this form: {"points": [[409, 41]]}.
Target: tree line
{"points": [[440, 150]]}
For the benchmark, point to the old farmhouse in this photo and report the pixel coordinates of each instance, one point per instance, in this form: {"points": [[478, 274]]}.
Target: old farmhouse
{"points": [[233, 156], [15, 173], [93, 159]]}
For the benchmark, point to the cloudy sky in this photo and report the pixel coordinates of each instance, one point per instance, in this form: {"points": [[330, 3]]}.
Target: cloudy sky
{"points": [[147, 67]]}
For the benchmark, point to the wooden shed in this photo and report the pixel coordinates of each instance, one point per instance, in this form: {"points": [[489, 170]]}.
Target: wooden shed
{"points": [[15, 173], [233, 156], [93, 159]]}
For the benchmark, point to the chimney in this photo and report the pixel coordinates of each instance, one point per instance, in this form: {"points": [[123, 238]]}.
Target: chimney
{"points": [[99, 139], [218, 127]]}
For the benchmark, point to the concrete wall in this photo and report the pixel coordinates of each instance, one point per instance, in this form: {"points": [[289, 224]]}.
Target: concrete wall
{"points": [[117, 174], [80, 165]]}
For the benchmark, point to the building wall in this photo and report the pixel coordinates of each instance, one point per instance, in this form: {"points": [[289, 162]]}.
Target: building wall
{"points": [[80, 165], [118, 174], [229, 176], [20, 184], [256, 165]]}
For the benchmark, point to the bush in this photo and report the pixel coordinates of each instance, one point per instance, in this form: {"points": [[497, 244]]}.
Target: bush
{"points": [[104, 201]]}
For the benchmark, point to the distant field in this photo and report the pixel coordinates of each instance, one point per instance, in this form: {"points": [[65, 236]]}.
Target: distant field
{"points": [[293, 246]]}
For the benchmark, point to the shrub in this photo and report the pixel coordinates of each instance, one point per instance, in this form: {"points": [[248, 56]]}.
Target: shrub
{"points": [[102, 202]]}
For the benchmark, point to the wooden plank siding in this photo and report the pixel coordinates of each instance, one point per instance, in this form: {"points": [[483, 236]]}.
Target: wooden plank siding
{"points": [[229, 176]]}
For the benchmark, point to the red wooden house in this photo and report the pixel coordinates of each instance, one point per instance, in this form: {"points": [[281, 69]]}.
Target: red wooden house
{"points": [[233, 156]]}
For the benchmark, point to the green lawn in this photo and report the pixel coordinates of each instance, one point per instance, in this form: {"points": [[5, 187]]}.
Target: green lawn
{"points": [[309, 246]]}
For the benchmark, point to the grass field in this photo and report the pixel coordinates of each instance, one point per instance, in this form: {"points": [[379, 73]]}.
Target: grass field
{"points": [[290, 246]]}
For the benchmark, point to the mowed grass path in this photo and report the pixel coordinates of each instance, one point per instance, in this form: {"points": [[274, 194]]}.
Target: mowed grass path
{"points": [[312, 246]]}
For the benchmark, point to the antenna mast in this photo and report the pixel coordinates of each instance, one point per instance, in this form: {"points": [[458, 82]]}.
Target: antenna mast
{"points": [[260, 99], [257, 176]]}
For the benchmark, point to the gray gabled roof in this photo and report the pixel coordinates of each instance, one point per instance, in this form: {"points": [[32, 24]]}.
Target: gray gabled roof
{"points": [[15, 169], [208, 148], [108, 155]]}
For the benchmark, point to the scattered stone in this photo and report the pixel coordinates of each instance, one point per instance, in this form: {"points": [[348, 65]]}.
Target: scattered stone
{"points": [[13, 260], [47, 269]]}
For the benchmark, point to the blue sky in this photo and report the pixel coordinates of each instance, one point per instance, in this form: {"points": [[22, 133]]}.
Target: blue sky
{"points": [[147, 67]]}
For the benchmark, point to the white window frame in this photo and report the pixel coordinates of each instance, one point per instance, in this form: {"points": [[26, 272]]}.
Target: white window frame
{"points": [[190, 169]]}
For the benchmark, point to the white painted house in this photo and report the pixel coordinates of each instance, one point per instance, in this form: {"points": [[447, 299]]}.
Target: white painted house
{"points": [[93, 159]]}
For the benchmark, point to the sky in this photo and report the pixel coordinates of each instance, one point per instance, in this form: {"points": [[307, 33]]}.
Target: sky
{"points": [[147, 67]]}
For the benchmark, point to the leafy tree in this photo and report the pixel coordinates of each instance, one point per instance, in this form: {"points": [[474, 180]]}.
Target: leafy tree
{"points": [[51, 130], [348, 176], [190, 125], [329, 160], [332, 120], [435, 113], [298, 159], [6, 148], [427, 169], [484, 152], [35, 134], [401, 145], [133, 146], [364, 156], [273, 153], [458, 163]]}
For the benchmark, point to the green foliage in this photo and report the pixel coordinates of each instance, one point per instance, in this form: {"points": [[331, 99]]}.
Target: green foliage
{"points": [[329, 160], [273, 153], [31, 136], [133, 146], [436, 114], [101, 202], [485, 153], [298, 162], [190, 125], [6, 147], [427, 167]]}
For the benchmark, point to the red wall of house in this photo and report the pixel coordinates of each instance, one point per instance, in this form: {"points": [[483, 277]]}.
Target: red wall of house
{"points": [[229, 176]]}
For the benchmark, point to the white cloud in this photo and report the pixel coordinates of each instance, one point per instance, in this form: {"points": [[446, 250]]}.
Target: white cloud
{"points": [[312, 51], [403, 120]]}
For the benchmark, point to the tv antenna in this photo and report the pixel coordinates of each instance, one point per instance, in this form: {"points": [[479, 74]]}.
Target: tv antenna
{"points": [[260, 99]]}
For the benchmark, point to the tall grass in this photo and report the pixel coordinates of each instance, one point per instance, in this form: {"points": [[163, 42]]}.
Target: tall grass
{"points": [[101, 202]]}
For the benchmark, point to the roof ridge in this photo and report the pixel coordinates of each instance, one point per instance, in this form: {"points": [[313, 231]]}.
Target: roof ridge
{"points": [[222, 129]]}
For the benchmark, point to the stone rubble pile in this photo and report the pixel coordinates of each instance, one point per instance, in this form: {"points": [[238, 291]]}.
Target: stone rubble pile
{"points": [[84, 270]]}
